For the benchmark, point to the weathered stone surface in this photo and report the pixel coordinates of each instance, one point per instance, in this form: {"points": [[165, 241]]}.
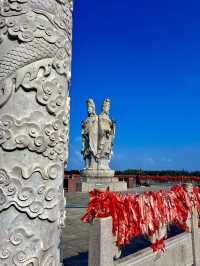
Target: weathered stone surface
{"points": [[98, 133], [98, 173], [101, 254], [178, 253], [179, 249], [35, 56], [90, 137], [90, 185], [106, 136], [97, 137]]}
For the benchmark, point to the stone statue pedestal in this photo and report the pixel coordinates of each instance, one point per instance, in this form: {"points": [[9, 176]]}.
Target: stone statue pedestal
{"points": [[100, 173], [100, 179], [98, 132]]}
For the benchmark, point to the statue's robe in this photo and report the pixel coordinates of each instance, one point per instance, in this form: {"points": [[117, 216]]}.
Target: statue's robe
{"points": [[90, 140], [106, 135]]}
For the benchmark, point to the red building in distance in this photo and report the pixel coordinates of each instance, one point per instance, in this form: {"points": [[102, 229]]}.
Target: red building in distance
{"points": [[71, 178]]}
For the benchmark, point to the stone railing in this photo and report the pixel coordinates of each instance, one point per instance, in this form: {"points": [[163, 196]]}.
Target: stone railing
{"points": [[182, 249]]}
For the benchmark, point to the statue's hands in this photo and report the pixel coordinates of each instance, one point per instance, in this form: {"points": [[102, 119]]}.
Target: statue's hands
{"points": [[108, 133], [97, 156]]}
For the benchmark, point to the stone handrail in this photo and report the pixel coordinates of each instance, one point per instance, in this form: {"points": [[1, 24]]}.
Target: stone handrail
{"points": [[182, 249]]}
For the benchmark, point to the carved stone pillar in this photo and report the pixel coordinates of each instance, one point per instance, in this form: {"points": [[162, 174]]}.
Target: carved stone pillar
{"points": [[35, 56]]}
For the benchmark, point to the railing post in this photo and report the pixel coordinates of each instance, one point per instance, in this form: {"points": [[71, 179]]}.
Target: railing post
{"points": [[195, 237], [194, 232], [101, 243]]}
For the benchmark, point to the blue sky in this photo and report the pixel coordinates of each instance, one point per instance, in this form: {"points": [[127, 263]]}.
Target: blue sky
{"points": [[145, 56]]}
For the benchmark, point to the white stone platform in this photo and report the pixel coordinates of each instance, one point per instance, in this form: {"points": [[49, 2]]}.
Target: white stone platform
{"points": [[89, 184], [97, 173]]}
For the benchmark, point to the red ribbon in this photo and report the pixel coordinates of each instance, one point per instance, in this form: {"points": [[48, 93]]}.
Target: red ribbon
{"points": [[144, 214]]}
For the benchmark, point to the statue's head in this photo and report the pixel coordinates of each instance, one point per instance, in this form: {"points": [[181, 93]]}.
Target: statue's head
{"points": [[91, 107], [106, 106]]}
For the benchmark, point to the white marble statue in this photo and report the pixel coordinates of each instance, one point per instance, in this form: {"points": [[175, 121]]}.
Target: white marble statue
{"points": [[97, 137], [90, 137], [106, 136]]}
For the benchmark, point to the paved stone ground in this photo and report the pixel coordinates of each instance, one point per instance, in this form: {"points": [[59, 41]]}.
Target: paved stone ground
{"points": [[75, 239], [76, 233]]}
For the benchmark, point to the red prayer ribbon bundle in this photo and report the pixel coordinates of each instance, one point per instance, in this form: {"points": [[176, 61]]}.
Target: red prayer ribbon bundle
{"points": [[149, 214], [196, 200]]}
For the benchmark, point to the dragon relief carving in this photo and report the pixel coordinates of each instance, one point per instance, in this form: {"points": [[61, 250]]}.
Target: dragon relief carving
{"points": [[37, 30], [48, 140], [35, 40], [40, 77]]}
